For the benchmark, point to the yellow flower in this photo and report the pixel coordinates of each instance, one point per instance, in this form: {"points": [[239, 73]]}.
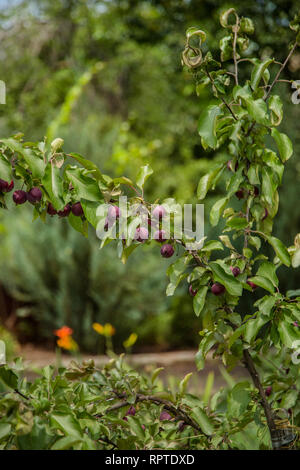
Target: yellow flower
{"points": [[106, 330], [98, 328], [130, 341]]}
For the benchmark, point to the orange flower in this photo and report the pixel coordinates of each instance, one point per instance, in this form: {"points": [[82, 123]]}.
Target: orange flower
{"points": [[63, 332], [67, 342]]}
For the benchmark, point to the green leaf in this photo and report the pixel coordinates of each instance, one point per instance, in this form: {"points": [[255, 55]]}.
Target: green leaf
{"points": [[208, 181], [85, 187], [268, 185], [184, 382], [226, 240], [5, 429], [5, 169], [38, 438], [280, 250], [226, 48], [238, 399], [136, 427], [78, 224], [212, 245], [143, 175], [89, 166], [275, 106], [34, 161], [268, 270], [156, 373], [234, 182], [290, 399], [284, 144], [53, 184], [224, 18], [273, 161], [258, 111], [66, 423], [199, 300], [253, 173], [203, 420], [263, 282], [232, 285], [237, 223], [288, 334], [255, 241], [253, 326], [258, 71], [65, 443], [217, 210], [266, 304], [207, 125], [246, 25], [90, 211], [8, 377]]}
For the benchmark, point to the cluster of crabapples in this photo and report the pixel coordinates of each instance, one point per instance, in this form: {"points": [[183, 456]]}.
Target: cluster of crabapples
{"points": [[217, 288], [34, 196], [142, 233]]}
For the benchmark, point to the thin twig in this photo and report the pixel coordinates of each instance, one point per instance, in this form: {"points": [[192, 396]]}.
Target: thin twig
{"points": [[280, 70], [21, 394]]}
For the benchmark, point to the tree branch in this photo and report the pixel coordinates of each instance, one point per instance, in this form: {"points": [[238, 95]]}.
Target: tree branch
{"points": [[177, 412], [249, 364]]}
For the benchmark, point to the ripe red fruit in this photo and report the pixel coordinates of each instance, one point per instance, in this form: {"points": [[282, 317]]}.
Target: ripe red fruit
{"points": [[6, 187], [77, 209], [240, 194], [141, 234], [20, 196], [295, 323], [265, 214], [113, 212], [192, 291], [65, 212], [50, 209], [217, 288], [34, 195], [130, 411], [165, 416], [268, 391], [167, 251], [160, 236], [159, 212], [251, 284], [256, 191], [235, 270]]}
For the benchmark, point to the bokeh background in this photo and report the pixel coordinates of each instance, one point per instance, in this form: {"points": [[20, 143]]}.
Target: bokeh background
{"points": [[106, 76]]}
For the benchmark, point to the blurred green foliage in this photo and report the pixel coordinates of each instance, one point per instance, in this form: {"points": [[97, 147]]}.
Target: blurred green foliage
{"points": [[106, 76]]}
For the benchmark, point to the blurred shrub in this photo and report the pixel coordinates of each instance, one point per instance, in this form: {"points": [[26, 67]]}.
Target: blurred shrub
{"points": [[11, 344], [59, 277]]}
